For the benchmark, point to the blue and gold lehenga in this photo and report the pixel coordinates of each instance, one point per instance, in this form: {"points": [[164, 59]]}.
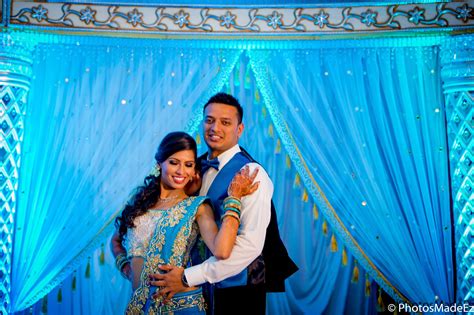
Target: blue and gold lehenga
{"points": [[175, 233]]}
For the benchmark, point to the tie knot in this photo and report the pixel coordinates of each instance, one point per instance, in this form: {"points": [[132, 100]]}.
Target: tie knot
{"points": [[206, 164]]}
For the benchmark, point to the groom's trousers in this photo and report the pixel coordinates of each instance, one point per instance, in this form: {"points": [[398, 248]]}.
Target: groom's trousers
{"points": [[248, 300]]}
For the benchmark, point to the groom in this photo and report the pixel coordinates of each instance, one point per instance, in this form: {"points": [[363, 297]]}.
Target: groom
{"points": [[259, 262]]}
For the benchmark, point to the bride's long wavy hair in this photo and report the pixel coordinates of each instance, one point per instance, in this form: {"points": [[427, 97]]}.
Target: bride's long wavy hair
{"points": [[147, 195]]}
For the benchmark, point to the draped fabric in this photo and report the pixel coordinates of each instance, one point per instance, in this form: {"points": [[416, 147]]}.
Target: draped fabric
{"points": [[366, 123], [323, 283], [94, 120], [93, 288], [368, 126], [313, 258], [306, 243]]}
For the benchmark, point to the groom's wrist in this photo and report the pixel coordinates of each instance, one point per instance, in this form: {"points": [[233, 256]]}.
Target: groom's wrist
{"points": [[184, 280], [194, 275]]}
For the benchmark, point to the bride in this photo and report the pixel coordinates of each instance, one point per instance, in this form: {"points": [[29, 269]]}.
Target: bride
{"points": [[161, 223]]}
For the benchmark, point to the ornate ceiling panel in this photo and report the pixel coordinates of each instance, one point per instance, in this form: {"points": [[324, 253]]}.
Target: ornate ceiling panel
{"points": [[244, 20]]}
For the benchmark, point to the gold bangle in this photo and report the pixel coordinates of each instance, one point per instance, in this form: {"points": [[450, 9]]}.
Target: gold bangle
{"points": [[120, 261], [231, 199], [233, 205], [231, 214]]}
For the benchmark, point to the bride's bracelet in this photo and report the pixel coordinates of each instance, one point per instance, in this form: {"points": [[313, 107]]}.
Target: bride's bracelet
{"points": [[120, 261], [232, 204], [234, 201], [231, 214]]}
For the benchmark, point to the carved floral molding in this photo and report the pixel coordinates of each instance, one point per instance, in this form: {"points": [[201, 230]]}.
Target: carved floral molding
{"points": [[308, 20]]}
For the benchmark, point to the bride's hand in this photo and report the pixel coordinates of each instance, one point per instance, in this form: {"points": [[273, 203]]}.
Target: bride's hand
{"points": [[242, 184], [193, 186]]}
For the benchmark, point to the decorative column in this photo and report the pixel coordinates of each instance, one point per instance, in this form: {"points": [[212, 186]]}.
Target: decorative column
{"points": [[15, 74], [458, 83]]}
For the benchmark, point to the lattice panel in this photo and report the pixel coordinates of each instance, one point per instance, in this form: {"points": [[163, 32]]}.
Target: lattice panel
{"points": [[12, 103], [461, 129]]}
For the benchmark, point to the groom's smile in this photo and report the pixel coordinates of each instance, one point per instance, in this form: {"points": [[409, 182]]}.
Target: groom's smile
{"points": [[214, 137]]}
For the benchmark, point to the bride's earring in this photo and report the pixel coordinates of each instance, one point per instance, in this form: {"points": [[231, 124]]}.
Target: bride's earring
{"points": [[156, 171]]}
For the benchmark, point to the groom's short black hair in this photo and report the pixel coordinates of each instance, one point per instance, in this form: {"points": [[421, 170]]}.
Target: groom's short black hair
{"points": [[227, 99]]}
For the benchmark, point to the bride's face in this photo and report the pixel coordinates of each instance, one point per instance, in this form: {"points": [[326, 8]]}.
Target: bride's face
{"points": [[178, 169]]}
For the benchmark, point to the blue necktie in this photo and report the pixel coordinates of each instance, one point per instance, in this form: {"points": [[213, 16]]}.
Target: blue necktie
{"points": [[206, 164]]}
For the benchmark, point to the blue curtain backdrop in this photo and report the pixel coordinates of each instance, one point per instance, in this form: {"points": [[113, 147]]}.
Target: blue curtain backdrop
{"points": [[367, 122], [369, 127], [95, 118]]}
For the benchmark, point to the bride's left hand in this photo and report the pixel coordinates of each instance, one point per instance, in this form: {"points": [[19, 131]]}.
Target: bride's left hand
{"points": [[242, 184]]}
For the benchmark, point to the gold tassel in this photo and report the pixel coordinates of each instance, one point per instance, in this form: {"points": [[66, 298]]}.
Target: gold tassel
{"points": [[248, 81], [380, 304], [73, 285], [288, 161], [257, 96], [60, 295], [102, 255], [315, 212], [367, 286], [198, 139], [305, 195], [264, 112], [278, 147], [44, 305], [270, 130], [355, 273], [325, 228], [344, 257], [333, 244], [88, 268], [297, 181]]}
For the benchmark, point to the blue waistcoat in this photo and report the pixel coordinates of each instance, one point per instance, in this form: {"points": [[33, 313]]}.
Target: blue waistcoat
{"points": [[274, 264], [217, 193]]}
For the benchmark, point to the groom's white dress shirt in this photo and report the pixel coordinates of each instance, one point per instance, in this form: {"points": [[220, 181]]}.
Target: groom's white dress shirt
{"points": [[255, 217]]}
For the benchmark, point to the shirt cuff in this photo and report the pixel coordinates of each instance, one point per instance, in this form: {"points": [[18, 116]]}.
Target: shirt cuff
{"points": [[194, 275]]}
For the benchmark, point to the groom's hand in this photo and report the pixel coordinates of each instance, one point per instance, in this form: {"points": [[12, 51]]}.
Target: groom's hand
{"points": [[170, 282]]}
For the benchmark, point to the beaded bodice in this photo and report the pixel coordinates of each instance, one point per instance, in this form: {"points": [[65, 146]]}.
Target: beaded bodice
{"points": [[138, 238]]}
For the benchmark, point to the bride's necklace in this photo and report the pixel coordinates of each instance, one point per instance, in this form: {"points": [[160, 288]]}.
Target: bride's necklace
{"points": [[167, 203], [168, 199]]}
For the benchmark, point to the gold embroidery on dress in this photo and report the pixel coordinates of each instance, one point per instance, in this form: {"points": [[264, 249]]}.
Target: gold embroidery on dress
{"points": [[180, 250], [178, 213]]}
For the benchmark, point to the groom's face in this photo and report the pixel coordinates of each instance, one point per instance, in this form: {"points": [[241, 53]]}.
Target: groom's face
{"points": [[221, 126]]}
